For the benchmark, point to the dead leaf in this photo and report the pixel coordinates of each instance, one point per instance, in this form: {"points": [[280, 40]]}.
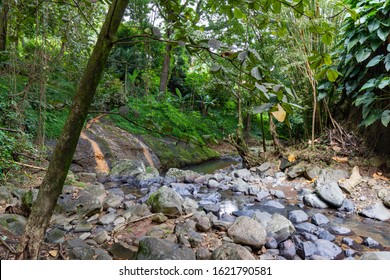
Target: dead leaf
{"points": [[379, 176], [53, 253], [336, 149], [280, 114], [291, 158], [340, 159]]}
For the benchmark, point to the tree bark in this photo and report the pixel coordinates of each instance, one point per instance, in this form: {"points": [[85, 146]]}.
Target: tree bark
{"points": [[166, 64], [4, 25], [53, 182]]}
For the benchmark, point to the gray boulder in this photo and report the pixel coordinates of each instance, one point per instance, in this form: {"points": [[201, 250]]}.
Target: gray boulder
{"points": [[247, 231], [296, 171], [166, 201], [279, 227], [129, 168], [377, 211], [13, 223], [298, 216], [327, 249], [312, 172], [287, 249], [159, 249], [231, 251], [319, 219], [375, 256], [331, 194], [181, 175], [314, 201], [240, 185], [329, 175], [112, 201]]}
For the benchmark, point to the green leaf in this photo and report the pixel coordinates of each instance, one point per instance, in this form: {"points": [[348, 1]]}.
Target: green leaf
{"points": [[383, 34], [375, 60], [370, 119], [352, 43], [277, 7], [332, 75], [262, 108], [388, 47], [375, 44], [384, 83], [328, 59], [327, 38], [261, 87], [362, 55], [370, 84], [387, 62], [215, 68], [373, 25], [238, 14], [255, 72], [385, 118]]}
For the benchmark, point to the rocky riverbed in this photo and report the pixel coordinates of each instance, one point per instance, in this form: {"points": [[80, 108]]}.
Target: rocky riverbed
{"points": [[302, 212]]}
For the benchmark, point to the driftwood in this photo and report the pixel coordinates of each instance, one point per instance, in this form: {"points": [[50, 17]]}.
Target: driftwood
{"points": [[30, 166]]}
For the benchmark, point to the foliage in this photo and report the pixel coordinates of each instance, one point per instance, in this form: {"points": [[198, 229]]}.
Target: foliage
{"points": [[363, 59]]}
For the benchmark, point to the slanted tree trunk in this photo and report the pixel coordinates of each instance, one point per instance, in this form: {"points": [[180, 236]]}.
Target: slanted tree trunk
{"points": [[166, 64], [4, 25], [53, 182]]}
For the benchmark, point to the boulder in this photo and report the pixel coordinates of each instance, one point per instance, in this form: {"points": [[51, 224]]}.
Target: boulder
{"points": [[212, 183], [327, 249], [150, 173], [329, 175], [279, 227], [296, 171], [375, 256], [331, 194], [185, 189], [112, 201], [231, 251], [128, 167], [181, 175], [239, 185], [160, 249], [314, 201], [312, 172], [202, 253], [347, 206], [13, 223], [319, 219], [377, 211], [287, 249], [122, 251], [349, 184], [247, 231], [166, 201], [298, 216], [275, 204]]}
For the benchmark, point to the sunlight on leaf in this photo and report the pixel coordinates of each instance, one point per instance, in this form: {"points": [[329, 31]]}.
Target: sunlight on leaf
{"points": [[280, 114]]}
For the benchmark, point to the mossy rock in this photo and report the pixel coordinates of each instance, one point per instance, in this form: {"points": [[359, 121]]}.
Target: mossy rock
{"points": [[166, 201]]}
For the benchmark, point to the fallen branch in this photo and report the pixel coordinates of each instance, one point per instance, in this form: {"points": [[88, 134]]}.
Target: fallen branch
{"points": [[30, 166], [9, 247], [11, 130]]}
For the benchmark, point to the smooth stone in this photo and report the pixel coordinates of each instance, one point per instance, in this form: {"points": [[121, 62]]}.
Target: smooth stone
{"points": [[247, 231], [239, 185], [212, 208], [101, 237], [340, 230], [296, 171], [231, 251], [184, 227], [312, 172], [331, 194], [349, 253], [121, 250], [319, 219], [107, 219], [247, 213], [348, 241], [305, 249], [375, 256], [349, 184], [261, 195], [195, 238], [314, 201], [203, 223], [185, 189], [212, 183], [83, 226], [271, 243], [298, 216], [190, 205], [279, 227], [287, 249], [166, 201], [242, 173], [306, 227], [325, 235], [262, 217], [377, 211], [85, 235], [330, 175], [327, 249], [55, 235], [371, 243], [275, 204], [347, 206], [159, 249]]}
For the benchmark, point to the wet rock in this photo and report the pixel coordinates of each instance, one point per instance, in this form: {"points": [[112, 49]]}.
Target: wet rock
{"points": [[271, 243], [371, 243], [348, 241], [305, 249], [107, 219], [210, 198], [247, 231], [377, 211], [128, 167], [231, 251], [261, 195], [306, 227], [244, 174], [331, 194], [327, 249], [340, 230], [298, 216], [166, 201], [190, 205], [349, 253], [122, 251], [185, 189], [212, 183], [13, 223], [202, 253], [181, 175], [240, 185], [212, 208], [314, 201], [275, 204], [159, 249], [375, 256], [85, 204], [83, 226], [348, 185], [55, 235], [312, 172], [101, 237], [287, 249], [325, 235], [347, 206], [296, 171], [279, 228], [329, 175], [319, 219]]}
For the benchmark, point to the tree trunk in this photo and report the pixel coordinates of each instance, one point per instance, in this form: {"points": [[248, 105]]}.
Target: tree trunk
{"points": [[4, 26], [53, 182], [274, 134], [166, 64]]}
